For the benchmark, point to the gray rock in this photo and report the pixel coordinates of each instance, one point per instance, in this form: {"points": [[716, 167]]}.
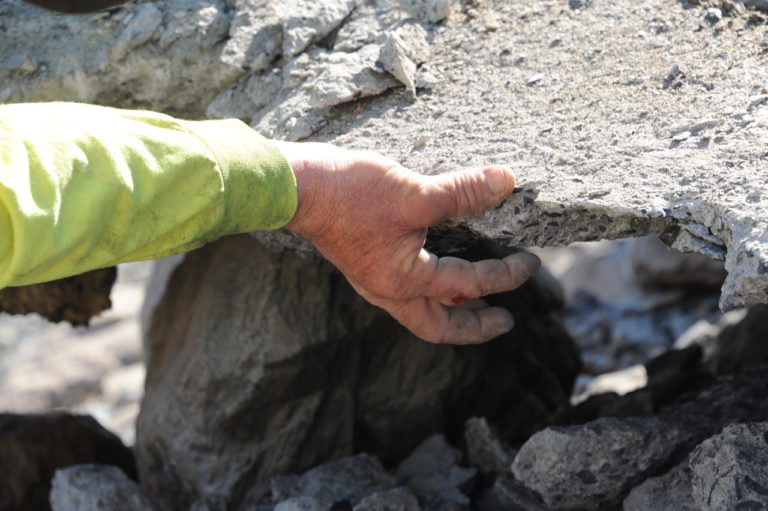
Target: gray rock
{"points": [[595, 464], [430, 457], [432, 11], [396, 499], [255, 36], [740, 343], [433, 475], [301, 504], [308, 21], [509, 494], [729, 399], [403, 50], [96, 488], [668, 491], [33, 447], [654, 265], [134, 56], [256, 367], [313, 83], [485, 450], [349, 479], [730, 470], [366, 25]]}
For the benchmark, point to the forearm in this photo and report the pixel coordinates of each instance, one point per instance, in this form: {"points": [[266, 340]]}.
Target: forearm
{"points": [[83, 187]]}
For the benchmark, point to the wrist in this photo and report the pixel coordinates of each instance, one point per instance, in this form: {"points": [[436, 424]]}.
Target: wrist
{"points": [[312, 178]]}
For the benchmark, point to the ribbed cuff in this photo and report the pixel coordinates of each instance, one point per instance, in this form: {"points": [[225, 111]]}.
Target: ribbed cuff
{"points": [[259, 184]]}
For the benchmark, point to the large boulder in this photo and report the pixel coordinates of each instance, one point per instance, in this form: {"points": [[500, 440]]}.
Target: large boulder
{"points": [[262, 364]]}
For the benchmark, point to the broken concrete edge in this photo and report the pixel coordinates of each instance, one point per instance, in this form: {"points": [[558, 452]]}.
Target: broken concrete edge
{"points": [[692, 226], [524, 221]]}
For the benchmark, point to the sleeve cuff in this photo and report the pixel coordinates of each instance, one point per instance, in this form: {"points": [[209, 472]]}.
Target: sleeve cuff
{"points": [[259, 184]]}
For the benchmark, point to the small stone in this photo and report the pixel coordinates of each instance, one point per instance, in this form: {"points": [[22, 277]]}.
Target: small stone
{"points": [[347, 479], [96, 488], [301, 504], [396, 499], [432, 11], [22, 63], [491, 24], [665, 492], [683, 135], [533, 79], [403, 51], [674, 77], [432, 473], [714, 15], [484, 448]]}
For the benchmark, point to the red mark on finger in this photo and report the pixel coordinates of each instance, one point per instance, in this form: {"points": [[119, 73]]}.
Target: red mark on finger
{"points": [[459, 298]]}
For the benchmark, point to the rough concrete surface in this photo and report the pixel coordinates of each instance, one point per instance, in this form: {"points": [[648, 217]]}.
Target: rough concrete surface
{"points": [[619, 118], [579, 103]]}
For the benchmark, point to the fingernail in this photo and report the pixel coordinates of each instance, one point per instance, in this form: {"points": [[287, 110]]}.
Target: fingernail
{"points": [[533, 261], [497, 180], [507, 323], [530, 262]]}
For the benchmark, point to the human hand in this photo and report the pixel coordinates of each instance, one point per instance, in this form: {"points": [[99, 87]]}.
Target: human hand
{"points": [[369, 215]]}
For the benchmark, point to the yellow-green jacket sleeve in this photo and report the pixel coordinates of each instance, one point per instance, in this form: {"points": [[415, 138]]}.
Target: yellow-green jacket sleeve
{"points": [[84, 187]]}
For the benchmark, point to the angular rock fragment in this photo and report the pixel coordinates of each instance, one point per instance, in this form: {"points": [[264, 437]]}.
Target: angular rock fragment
{"points": [[730, 470], [396, 499], [96, 488], [307, 21], [485, 450], [33, 447], [159, 55], [740, 344], [731, 398], [509, 494], [366, 25], [301, 504], [595, 464], [349, 479], [316, 81], [433, 474], [432, 11], [255, 36], [403, 50], [662, 493]]}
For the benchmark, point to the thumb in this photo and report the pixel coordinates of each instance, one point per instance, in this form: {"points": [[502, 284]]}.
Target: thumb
{"points": [[461, 193]]}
